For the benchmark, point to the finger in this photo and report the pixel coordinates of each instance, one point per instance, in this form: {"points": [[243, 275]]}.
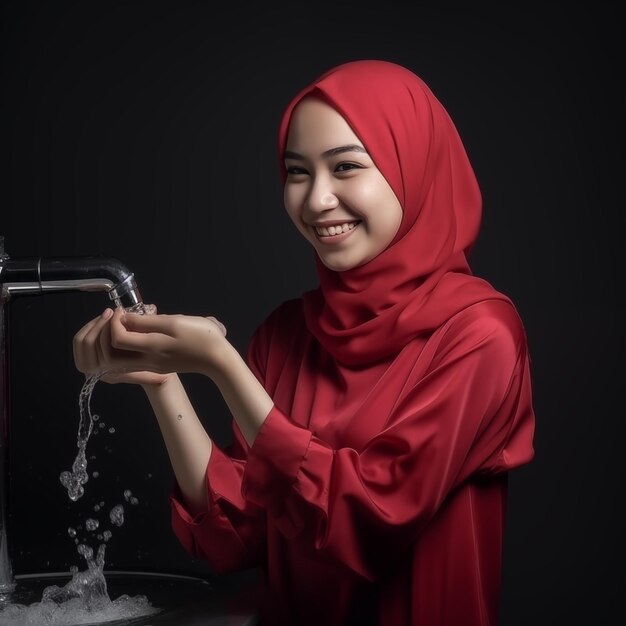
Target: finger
{"points": [[148, 323], [124, 338], [146, 378], [109, 356], [135, 378], [86, 328], [91, 355], [112, 378], [83, 343]]}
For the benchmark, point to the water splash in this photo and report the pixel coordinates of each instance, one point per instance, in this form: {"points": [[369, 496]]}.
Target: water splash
{"points": [[84, 599]]}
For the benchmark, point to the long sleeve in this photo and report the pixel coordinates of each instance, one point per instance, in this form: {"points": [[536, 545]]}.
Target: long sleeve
{"points": [[469, 415], [231, 534]]}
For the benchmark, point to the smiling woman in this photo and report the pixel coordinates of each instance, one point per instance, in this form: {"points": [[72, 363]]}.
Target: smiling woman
{"points": [[376, 417]]}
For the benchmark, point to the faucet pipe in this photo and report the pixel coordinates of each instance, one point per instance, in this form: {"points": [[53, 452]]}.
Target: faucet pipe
{"points": [[35, 276]]}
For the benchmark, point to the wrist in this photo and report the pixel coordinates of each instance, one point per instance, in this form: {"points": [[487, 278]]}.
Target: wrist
{"points": [[222, 355], [162, 386]]}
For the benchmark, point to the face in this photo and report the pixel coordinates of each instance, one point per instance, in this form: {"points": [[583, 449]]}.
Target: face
{"points": [[335, 195]]}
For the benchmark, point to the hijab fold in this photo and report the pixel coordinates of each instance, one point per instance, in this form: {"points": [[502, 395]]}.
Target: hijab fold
{"points": [[422, 278]]}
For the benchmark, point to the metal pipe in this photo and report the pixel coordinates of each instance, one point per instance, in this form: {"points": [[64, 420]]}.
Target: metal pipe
{"points": [[7, 583]]}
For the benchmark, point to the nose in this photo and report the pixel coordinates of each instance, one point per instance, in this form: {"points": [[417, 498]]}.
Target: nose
{"points": [[321, 196]]}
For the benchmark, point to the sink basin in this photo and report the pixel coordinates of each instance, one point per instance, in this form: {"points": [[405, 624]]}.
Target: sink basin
{"points": [[182, 600]]}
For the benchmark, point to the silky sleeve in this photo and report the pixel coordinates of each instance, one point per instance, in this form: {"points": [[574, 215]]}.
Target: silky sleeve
{"points": [[231, 534], [471, 414]]}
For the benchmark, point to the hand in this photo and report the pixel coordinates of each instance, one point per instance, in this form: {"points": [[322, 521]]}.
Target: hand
{"points": [[93, 353], [167, 343]]}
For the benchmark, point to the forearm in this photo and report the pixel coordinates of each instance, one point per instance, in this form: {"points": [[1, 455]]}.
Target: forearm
{"points": [[245, 396], [187, 442]]}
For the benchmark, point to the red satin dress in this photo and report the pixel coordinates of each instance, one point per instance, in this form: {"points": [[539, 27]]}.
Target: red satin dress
{"points": [[374, 495]]}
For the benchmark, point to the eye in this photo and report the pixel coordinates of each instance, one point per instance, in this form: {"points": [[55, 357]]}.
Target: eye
{"points": [[349, 166], [293, 170]]}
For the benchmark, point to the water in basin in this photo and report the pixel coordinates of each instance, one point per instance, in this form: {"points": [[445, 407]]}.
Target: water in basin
{"points": [[172, 600]]}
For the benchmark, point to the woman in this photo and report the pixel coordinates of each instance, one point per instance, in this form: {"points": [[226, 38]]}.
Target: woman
{"points": [[375, 417]]}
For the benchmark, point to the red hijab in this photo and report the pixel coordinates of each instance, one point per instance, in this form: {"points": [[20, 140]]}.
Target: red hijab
{"points": [[422, 278]]}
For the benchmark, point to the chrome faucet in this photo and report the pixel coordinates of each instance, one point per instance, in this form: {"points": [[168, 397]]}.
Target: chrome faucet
{"points": [[36, 276]]}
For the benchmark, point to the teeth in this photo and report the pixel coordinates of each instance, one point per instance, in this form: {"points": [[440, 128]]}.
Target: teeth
{"points": [[335, 230]]}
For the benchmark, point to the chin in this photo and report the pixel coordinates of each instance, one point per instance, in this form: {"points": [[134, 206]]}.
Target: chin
{"points": [[337, 267]]}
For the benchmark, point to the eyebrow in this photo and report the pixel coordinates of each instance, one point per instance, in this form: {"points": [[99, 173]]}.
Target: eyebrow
{"points": [[289, 154]]}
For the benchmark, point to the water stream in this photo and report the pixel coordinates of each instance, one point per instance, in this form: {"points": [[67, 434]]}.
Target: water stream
{"points": [[84, 599]]}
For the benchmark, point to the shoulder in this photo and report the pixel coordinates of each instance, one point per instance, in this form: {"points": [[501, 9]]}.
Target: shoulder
{"points": [[489, 329], [487, 316]]}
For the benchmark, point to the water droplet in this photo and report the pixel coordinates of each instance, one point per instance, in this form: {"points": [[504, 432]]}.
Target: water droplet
{"points": [[85, 550], [117, 515], [95, 474]]}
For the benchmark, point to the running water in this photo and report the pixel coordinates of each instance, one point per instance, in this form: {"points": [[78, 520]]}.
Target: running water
{"points": [[73, 481], [84, 599]]}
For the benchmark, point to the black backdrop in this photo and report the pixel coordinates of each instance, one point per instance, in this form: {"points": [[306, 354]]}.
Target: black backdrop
{"points": [[146, 131]]}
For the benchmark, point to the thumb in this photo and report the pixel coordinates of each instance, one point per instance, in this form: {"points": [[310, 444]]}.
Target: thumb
{"points": [[145, 323], [216, 321]]}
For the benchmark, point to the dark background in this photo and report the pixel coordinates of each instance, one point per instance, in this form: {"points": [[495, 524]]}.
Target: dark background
{"points": [[146, 131]]}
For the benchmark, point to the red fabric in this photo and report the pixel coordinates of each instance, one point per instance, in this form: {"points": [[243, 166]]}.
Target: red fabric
{"points": [[375, 491]]}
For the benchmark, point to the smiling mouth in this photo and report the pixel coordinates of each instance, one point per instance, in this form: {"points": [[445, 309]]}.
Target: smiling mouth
{"points": [[336, 231]]}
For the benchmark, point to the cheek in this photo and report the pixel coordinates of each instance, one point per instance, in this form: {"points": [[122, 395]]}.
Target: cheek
{"points": [[366, 193], [385, 216], [293, 197], [396, 215], [392, 219]]}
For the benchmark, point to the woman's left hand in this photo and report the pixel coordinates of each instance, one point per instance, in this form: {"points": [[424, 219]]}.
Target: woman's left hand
{"points": [[169, 343]]}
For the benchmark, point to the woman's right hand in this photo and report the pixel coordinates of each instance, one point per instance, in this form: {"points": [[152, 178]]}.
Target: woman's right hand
{"points": [[94, 353]]}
